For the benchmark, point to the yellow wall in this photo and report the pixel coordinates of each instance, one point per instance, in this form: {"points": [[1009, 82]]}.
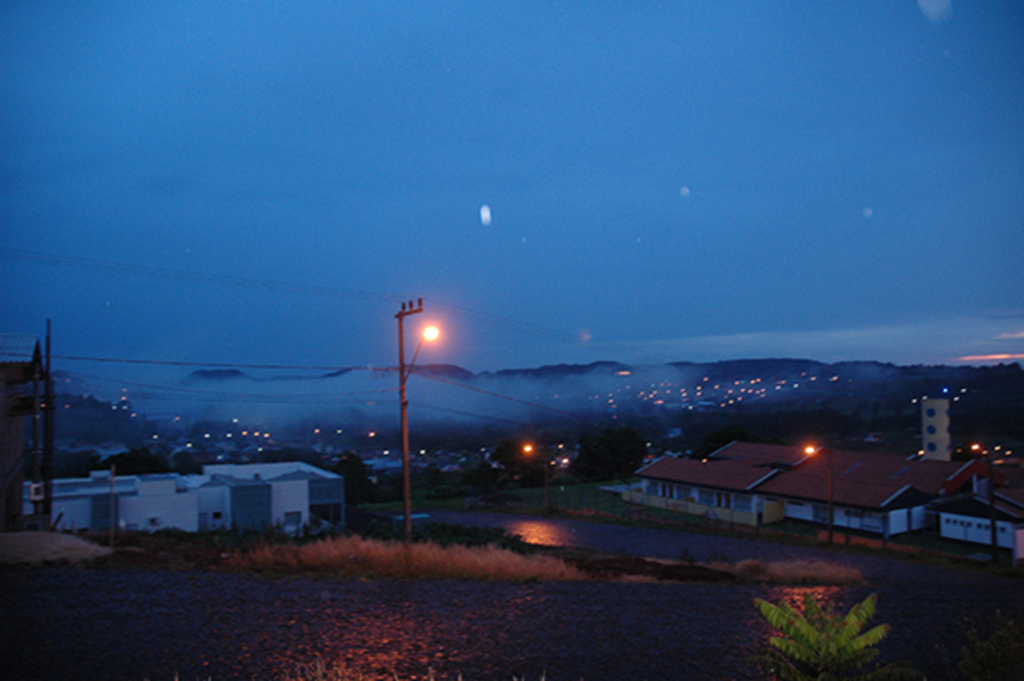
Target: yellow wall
{"points": [[773, 510]]}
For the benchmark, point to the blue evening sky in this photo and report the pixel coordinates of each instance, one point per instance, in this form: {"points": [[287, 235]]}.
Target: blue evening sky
{"points": [[662, 180]]}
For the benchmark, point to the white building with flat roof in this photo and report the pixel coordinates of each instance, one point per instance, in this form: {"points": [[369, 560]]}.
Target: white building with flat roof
{"points": [[287, 495]]}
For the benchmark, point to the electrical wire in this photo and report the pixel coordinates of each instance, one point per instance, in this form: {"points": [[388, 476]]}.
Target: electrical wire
{"points": [[221, 365], [432, 407], [468, 314], [198, 277], [499, 395]]}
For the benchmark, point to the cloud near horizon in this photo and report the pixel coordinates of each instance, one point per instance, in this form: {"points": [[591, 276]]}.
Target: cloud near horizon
{"points": [[962, 340]]}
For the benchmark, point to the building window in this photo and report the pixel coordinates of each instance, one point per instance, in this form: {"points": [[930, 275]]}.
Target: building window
{"points": [[217, 515], [742, 503], [820, 514], [706, 497]]}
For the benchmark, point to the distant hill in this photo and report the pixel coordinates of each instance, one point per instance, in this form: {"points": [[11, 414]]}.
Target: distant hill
{"points": [[676, 404]]}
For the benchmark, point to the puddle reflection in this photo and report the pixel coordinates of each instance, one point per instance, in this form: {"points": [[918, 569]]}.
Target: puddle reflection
{"points": [[540, 532]]}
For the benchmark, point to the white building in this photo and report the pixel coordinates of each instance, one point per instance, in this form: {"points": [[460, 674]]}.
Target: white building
{"points": [[288, 495]]}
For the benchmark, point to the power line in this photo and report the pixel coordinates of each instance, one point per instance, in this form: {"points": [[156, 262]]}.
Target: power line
{"points": [[221, 365], [172, 393], [466, 413], [499, 395], [309, 289], [199, 277]]}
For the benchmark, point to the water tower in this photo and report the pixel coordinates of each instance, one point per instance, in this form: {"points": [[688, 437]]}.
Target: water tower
{"points": [[935, 438]]}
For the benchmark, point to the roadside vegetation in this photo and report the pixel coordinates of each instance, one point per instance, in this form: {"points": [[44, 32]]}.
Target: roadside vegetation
{"points": [[820, 644], [358, 557], [438, 551]]}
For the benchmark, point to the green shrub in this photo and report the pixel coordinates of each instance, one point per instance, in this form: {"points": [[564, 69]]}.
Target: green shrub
{"points": [[998, 657], [821, 645]]}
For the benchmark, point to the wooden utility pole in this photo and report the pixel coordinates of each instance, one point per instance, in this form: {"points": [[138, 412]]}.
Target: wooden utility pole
{"points": [[113, 503], [49, 408], [403, 374], [992, 509]]}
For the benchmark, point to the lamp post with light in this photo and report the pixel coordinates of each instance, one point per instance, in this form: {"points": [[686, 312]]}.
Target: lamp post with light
{"points": [[528, 451], [828, 456], [992, 520], [430, 333]]}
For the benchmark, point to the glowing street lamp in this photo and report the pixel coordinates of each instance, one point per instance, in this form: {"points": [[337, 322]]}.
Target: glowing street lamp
{"points": [[431, 333]]}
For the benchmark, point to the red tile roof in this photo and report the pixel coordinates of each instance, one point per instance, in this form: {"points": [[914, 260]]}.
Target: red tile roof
{"points": [[730, 475], [761, 455], [863, 479]]}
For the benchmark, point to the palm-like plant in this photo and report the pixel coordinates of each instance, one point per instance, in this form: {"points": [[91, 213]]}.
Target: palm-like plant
{"points": [[821, 645]]}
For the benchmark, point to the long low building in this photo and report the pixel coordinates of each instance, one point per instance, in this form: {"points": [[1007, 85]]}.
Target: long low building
{"points": [[288, 495], [755, 484]]}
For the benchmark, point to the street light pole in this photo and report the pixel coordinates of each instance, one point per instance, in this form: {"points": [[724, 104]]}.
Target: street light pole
{"points": [[831, 517], [547, 494], [403, 374], [992, 508], [814, 451]]}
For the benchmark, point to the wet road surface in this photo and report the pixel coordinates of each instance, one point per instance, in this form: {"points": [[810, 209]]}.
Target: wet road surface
{"points": [[76, 623]]}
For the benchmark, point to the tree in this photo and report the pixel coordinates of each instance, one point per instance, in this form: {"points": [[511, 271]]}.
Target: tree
{"points": [[483, 476], [136, 461], [720, 438], [359, 489], [615, 453], [185, 462], [821, 645], [509, 456]]}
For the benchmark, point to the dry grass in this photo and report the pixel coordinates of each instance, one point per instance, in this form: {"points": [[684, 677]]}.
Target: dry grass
{"points": [[358, 557], [808, 572]]}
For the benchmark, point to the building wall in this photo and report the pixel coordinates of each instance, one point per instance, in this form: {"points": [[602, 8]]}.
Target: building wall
{"points": [[157, 487], [711, 502], [918, 518], [100, 512], [214, 508], [12, 460], [74, 514], [800, 511], [975, 530], [327, 499], [152, 503], [899, 521], [287, 498], [250, 506], [692, 507], [772, 511], [152, 512]]}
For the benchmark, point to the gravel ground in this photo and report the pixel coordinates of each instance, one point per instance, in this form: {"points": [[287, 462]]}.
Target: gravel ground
{"points": [[80, 623]]}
